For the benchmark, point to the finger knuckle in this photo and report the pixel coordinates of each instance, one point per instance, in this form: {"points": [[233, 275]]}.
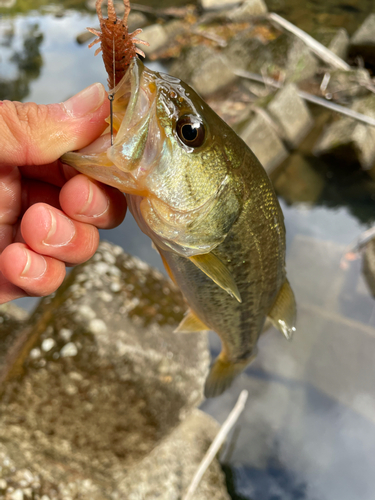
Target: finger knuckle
{"points": [[19, 122]]}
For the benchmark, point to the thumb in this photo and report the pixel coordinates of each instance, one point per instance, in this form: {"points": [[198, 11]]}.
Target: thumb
{"points": [[32, 134]]}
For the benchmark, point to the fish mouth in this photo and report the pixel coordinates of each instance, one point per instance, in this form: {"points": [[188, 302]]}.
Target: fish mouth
{"points": [[137, 136]]}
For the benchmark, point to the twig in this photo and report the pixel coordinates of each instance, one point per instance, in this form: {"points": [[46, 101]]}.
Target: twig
{"points": [[216, 444], [325, 54], [368, 120], [336, 107]]}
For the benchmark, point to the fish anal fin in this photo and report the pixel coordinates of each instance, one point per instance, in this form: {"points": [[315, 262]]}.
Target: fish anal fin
{"points": [[222, 374], [283, 313], [191, 323], [218, 272]]}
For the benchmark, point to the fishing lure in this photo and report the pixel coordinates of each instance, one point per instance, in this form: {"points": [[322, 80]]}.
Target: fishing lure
{"points": [[117, 45]]}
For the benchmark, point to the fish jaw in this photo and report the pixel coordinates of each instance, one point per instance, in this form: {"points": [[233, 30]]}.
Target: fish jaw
{"points": [[136, 145], [188, 204]]}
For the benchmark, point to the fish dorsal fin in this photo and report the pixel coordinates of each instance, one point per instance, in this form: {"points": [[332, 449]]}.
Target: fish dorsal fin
{"points": [[216, 270], [283, 313], [191, 323]]}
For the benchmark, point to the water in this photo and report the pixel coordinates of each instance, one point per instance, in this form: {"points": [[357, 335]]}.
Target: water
{"points": [[309, 428]]}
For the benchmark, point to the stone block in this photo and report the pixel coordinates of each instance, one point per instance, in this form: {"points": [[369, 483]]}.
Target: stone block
{"points": [[168, 471], [184, 66], [212, 75], [218, 4], [344, 85], [247, 10], [264, 142], [348, 140], [301, 64], [299, 182], [281, 53], [291, 113], [340, 43], [105, 379], [156, 36], [362, 43]]}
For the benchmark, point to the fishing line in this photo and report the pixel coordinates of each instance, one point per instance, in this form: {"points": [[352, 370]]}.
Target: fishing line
{"points": [[112, 95]]}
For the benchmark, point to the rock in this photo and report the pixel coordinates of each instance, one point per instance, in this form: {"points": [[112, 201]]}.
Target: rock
{"points": [[344, 85], [362, 43], [136, 20], [247, 10], [173, 28], [264, 142], [301, 64], [113, 383], [156, 36], [184, 66], [340, 43], [205, 69], [84, 37], [291, 114], [7, 4], [218, 4], [212, 75], [247, 52], [281, 53], [368, 266], [166, 473], [336, 40], [347, 140], [12, 321], [299, 182]]}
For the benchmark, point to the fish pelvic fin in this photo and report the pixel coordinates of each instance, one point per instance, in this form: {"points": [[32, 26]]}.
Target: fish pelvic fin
{"points": [[283, 314], [222, 374], [191, 323], [218, 272]]}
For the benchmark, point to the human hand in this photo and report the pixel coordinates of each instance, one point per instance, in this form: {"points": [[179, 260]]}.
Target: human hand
{"points": [[49, 214]]}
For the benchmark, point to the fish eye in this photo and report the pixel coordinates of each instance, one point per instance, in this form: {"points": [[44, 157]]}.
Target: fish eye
{"points": [[191, 130]]}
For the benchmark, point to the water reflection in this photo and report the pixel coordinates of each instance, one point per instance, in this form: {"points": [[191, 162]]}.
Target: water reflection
{"points": [[24, 63]]}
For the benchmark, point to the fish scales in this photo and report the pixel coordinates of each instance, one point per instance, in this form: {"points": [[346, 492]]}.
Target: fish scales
{"points": [[201, 195], [246, 251]]}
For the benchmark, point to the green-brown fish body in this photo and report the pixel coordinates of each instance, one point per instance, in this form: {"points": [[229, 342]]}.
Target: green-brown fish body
{"points": [[207, 204]]}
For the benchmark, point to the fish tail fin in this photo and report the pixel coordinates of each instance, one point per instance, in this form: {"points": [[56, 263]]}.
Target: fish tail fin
{"points": [[222, 374], [283, 313]]}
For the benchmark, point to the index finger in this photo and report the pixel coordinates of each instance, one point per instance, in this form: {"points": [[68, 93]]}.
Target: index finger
{"points": [[32, 134]]}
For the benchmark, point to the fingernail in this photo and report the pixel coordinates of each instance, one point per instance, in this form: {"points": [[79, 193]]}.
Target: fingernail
{"points": [[97, 207], [87, 101], [35, 266], [61, 230]]}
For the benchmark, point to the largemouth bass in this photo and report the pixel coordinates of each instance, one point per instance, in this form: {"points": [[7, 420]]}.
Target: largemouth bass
{"points": [[196, 189]]}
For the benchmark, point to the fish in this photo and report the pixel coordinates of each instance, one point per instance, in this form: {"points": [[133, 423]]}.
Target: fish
{"points": [[201, 195]]}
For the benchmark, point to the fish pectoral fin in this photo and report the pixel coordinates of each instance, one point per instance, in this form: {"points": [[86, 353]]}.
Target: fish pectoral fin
{"points": [[283, 313], [191, 323], [166, 265], [222, 374], [218, 272]]}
